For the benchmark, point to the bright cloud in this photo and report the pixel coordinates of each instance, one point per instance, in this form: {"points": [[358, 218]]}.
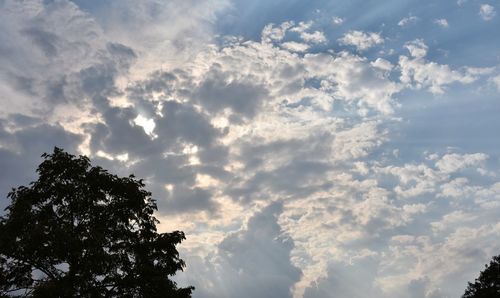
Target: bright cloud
{"points": [[442, 23], [407, 21], [337, 20], [487, 12], [496, 81], [361, 40]]}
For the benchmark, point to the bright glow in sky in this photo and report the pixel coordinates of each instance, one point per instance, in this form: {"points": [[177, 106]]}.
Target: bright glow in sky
{"points": [[306, 148]]}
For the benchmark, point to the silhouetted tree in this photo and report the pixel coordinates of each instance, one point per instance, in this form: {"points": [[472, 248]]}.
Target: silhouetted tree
{"points": [[79, 231], [488, 283]]}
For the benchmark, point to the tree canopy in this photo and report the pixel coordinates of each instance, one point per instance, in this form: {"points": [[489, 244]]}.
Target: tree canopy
{"points": [[487, 285], [79, 231]]}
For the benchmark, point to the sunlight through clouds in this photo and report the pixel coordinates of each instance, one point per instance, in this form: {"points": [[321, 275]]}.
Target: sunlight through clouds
{"points": [[305, 148]]}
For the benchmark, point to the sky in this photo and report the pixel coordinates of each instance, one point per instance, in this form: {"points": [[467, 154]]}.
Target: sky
{"points": [[339, 148]]}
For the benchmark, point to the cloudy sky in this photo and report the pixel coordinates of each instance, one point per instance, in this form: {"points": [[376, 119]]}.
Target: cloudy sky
{"points": [[345, 148]]}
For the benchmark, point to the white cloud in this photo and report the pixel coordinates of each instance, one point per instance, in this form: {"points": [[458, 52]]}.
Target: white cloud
{"points": [[303, 28], [353, 78], [456, 188], [358, 141], [453, 162], [417, 48], [418, 73], [314, 37], [240, 125], [293, 46], [468, 246], [337, 20], [382, 64], [408, 21], [480, 70], [376, 209], [442, 23], [487, 12], [452, 219], [361, 40], [488, 197], [414, 179], [272, 33], [496, 81]]}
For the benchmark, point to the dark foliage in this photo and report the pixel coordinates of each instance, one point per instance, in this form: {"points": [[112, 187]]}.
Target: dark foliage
{"points": [[487, 285], [80, 231]]}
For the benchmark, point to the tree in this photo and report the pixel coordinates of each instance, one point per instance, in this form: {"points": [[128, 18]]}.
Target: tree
{"points": [[488, 283], [79, 231]]}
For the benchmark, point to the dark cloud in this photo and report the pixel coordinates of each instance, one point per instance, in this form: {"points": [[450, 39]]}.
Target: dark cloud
{"points": [[121, 54], [261, 256], [157, 81], [184, 199], [214, 155], [22, 83], [162, 171], [292, 168], [21, 149], [97, 79], [162, 160], [218, 91], [45, 41], [297, 179], [55, 90], [174, 84], [183, 122], [119, 135]]}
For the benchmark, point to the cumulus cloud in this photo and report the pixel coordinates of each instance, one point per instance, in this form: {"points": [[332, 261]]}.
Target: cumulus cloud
{"points": [[293, 46], [487, 12], [452, 219], [464, 245], [442, 23], [457, 188], [450, 163], [496, 81], [417, 48], [274, 156], [419, 73], [337, 20], [217, 92], [306, 34], [314, 37], [272, 33], [361, 40], [415, 179], [354, 78]]}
